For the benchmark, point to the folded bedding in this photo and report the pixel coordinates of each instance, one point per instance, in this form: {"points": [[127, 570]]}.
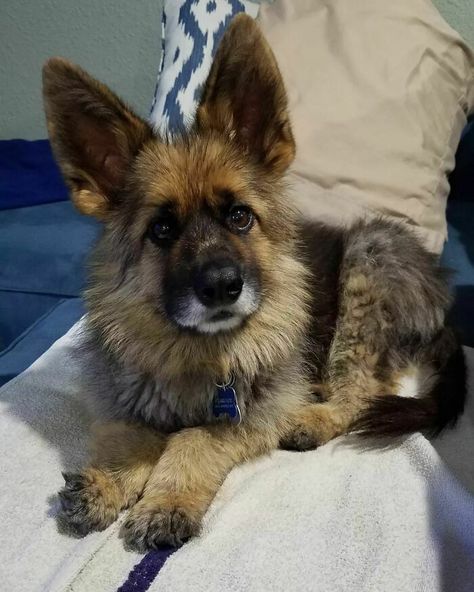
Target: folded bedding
{"points": [[343, 517]]}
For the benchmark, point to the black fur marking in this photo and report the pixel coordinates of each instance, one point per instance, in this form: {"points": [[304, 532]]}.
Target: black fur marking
{"points": [[322, 252]]}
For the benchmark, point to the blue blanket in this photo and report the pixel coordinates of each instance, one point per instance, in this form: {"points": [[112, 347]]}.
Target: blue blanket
{"points": [[28, 174], [43, 246]]}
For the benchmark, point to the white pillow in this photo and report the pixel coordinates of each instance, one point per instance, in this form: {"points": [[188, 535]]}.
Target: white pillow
{"points": [[379, 93]]}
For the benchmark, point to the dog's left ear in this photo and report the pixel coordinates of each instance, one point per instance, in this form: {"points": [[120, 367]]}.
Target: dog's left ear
{"points": [[94, 135], [245, 98]]}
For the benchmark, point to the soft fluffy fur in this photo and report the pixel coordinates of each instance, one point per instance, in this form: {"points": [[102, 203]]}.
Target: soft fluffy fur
{"points": [[326, 325]]}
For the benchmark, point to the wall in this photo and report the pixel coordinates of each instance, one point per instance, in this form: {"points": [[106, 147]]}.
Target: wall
{"points": [[119, 42], [460, 15]]}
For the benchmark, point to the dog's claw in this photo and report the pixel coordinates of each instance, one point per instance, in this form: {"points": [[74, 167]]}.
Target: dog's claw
{"points": [[157, 528], [300, 439], [82, 506], [73, 481]]}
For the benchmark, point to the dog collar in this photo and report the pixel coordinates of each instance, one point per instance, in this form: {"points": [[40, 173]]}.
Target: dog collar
{"points": [[225, 403]]}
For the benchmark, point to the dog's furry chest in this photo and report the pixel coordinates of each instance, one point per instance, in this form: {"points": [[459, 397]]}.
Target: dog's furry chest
{"points": [[120, 393], [168, 406]]}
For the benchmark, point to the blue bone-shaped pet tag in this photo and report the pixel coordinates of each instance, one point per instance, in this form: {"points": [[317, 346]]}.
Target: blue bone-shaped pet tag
{"points": [[225, 403]]}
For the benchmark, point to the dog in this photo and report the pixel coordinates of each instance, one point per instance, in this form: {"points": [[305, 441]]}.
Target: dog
{"points": [[220, 325]]}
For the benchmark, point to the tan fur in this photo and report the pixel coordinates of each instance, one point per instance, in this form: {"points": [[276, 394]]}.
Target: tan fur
{"points": [[351, 374], [127, 453], [194, 465], [176, 172]]}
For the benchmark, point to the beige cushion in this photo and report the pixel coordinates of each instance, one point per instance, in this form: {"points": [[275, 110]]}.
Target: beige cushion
{"points": [[379, 93]]}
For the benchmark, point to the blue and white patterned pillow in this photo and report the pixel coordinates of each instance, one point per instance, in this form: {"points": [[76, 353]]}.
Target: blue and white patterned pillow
{"points": [[191, 33]]}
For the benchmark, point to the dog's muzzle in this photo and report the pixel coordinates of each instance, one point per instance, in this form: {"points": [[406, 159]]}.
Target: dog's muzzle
{"points": [[220, 298]]}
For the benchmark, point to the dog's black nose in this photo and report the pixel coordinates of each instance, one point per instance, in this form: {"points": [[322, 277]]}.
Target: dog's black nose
{"points": [[218, 283]]}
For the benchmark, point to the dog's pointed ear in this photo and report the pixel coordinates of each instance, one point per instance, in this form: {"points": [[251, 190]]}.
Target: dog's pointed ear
{"points": [[245, 98], [94, 135]]}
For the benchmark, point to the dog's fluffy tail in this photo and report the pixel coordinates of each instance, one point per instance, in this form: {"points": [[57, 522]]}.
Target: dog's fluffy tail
{"points": [[391, 416]]}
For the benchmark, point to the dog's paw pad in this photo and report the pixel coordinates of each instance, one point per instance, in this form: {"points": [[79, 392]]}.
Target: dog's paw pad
{"points": [[158, 527], [300, 439]]}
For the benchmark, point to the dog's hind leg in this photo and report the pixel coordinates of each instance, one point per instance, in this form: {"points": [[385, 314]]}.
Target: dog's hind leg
{"points": [[122, 457], [352, 375], [392, 303]]}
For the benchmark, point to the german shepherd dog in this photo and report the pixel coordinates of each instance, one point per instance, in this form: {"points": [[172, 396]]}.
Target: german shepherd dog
{"points": [[220, 325]]}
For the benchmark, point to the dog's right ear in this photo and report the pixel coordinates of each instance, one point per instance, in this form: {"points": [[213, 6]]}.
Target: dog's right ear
{"points": [[245, 99], [94, 135]]}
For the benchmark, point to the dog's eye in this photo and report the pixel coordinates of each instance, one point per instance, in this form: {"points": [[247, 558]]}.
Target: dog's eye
{"points": [[163, 228], [240, 218]]}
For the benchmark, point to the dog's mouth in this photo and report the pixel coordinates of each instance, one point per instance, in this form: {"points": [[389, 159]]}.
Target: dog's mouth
{"points": [[218, 321], [221, 315]]}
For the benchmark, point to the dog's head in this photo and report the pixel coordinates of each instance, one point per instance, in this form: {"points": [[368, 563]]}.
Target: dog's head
{"points": [[198, 238]]}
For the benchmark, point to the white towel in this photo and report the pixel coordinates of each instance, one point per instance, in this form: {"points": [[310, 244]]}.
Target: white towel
{"points": [[43, 430], [336, 519]]}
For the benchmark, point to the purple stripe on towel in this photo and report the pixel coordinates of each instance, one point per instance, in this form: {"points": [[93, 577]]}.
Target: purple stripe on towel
{"points": [[146, 570]]}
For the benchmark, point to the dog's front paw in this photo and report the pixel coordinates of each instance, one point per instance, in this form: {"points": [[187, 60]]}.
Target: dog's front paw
{"points": [[301, 438], [89, 501], [157, 522]]}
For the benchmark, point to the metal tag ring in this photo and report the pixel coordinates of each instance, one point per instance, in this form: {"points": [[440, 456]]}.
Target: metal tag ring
{"points": [[231, 382]]}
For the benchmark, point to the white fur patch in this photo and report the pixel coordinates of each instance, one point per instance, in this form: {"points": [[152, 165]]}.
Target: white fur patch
{"points": [[216, 326], [409, 385]]}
